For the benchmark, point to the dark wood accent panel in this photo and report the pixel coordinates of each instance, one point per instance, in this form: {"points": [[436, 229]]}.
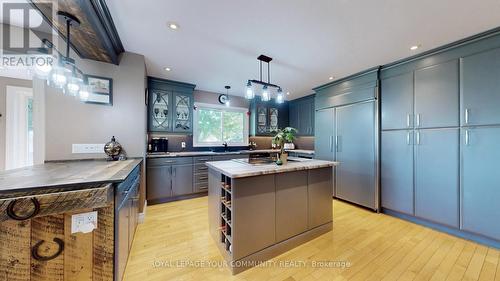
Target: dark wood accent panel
{"points": [[96, 38]]}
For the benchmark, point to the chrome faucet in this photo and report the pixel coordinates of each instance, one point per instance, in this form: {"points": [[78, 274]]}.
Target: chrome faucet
{"points": [[225, 146]]}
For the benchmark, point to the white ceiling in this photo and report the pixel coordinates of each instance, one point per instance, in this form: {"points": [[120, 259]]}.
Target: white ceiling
{"points": [[219, 40]]}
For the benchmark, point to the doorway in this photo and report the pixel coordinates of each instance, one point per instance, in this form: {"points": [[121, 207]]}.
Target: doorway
{"points": [[18, 127]]}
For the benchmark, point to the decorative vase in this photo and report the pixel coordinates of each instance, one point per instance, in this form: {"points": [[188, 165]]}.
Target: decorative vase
{"points": [[289, 146], [284, 158]]}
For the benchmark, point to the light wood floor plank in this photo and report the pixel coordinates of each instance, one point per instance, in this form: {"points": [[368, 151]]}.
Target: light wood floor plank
{"points": [[489, 266], [377, 246]]}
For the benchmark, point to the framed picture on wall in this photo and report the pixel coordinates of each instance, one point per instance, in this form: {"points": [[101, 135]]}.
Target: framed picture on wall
{"points": [[101, 90]]}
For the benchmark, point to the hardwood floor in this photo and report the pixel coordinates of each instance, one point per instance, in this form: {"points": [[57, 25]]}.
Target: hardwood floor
{"points": [[174, 239]]}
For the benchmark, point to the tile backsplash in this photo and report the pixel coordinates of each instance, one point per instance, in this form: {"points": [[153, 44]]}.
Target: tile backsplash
{"points": [[300, 143], [174, 142]]}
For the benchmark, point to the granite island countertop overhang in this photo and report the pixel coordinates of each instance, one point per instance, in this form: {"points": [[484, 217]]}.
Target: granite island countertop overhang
{"points": [[235, 169], [65, 174]]}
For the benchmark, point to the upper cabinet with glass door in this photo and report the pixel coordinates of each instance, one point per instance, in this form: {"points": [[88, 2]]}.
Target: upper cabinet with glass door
{"points": [[267, 117], [183, 109], [170, 106]]}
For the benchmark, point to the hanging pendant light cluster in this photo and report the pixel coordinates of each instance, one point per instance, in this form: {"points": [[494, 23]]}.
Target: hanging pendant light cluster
{"points": [[64, 74], [266, 89]]}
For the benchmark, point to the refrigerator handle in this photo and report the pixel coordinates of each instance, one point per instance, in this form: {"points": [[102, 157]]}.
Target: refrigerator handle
{"points": [[418, 120], [408, 138], [467, 137], [418, 137], [466, 116], [408, 116]]}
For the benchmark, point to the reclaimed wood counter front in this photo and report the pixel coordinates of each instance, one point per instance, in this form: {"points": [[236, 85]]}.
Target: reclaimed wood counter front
{"points": [[36, 208]]}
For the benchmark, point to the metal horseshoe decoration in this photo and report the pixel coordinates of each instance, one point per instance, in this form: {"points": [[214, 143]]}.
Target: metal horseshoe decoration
{"points": [[37, 256], [14, 216]]}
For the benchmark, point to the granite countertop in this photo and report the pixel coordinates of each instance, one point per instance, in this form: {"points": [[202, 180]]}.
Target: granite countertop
{"points": [[66, 173], [236, 169], [208, 153]]}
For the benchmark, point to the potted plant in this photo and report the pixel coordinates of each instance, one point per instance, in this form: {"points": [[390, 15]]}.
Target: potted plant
{"points": [[286, 135]]}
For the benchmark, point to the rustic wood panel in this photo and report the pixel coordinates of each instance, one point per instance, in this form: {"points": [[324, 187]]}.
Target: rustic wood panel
{"points": [[92, 39], [58, 203], [47, 228], [15, 250], [104, 245], [78, 252]]}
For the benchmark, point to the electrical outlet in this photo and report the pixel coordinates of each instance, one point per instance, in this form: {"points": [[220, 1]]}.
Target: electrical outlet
{"points": [[84, 222], [183, 144], [87, 148]]}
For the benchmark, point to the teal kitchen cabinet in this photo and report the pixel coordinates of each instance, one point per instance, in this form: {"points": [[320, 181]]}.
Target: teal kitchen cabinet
{"points": [[397, 102], [437, 175], [170, 106], [480, 180], [267, 117], [301, 115], [480, 89], [397, 171]]}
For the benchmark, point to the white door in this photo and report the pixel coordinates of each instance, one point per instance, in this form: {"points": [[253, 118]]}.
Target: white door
{"points": [[18, 127]]}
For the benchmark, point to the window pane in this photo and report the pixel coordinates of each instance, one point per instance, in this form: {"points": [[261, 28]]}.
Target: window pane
{"points": [[233, 126], [209, 125]]}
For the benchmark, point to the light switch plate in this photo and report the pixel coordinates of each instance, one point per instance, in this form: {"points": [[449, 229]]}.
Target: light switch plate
{"points": [[88, 148], [84, 222]]}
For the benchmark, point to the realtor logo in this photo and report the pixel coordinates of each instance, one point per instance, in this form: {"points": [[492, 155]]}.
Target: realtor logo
{"points": [[23, 28]]}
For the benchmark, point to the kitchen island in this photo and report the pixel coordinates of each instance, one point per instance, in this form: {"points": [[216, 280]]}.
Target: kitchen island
{"points": [[260, 210], [37, 239]]}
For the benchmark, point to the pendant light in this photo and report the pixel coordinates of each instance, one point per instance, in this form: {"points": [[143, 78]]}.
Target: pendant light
{"points": [[266, 86], [265, 93], [279, 97], [228, 101], [249, 94], [65, 74]]}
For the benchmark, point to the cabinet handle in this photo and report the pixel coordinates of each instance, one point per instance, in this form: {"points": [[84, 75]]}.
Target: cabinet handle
{"points": [[175, 171], [467, 140], [408, 138], [418, 138], [337, 144], [466, 116], [331, 143], [408, 116], [418, 120]]}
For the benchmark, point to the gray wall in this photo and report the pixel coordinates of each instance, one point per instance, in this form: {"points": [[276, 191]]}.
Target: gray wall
{"points": [[4, 81], [213, 98], [70, 121]]}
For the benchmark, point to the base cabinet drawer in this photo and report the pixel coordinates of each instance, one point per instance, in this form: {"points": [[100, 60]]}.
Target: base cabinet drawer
{"points": [[201, 186]]}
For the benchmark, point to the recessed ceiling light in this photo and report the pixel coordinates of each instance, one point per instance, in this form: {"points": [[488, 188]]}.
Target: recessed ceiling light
{"points": [[173, 25], [330, 78], [167, 68], [414, 48], [287, 93]]}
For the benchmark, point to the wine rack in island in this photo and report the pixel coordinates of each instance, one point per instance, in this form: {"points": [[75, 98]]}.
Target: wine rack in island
{"points": [[226, 213]]}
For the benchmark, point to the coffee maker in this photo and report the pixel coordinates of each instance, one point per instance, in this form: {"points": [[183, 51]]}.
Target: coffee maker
{"points": [[158, 145]]}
